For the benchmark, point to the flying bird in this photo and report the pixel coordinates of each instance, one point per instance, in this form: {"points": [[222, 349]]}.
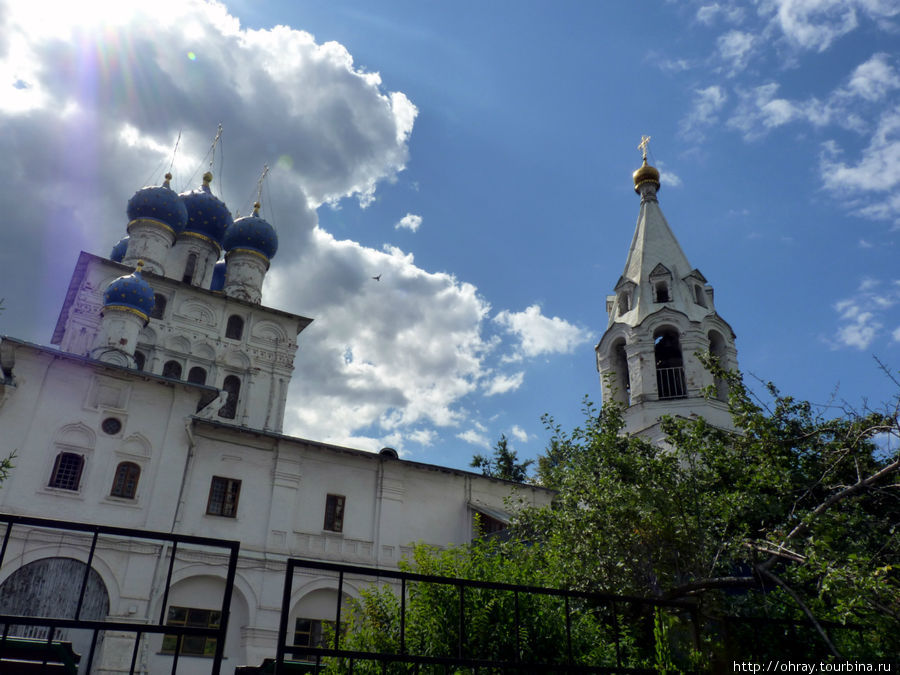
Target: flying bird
{"points": [[378, 278]]}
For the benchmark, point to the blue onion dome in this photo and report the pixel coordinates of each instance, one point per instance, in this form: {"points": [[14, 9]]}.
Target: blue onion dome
{"points": [[252, 233], [218, 277], [130, 293], [118, 251], [207, 215], [159, 203]]}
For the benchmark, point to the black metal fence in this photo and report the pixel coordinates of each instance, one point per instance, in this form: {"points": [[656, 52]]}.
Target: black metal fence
{"points": [[631, 628], [88, 537]]}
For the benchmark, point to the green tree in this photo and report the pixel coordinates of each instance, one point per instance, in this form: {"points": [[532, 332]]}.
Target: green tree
{"points": [[793, 517], [504, 464]]}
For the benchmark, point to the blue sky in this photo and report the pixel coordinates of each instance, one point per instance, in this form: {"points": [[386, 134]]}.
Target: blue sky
{"points": [[478, 156]]}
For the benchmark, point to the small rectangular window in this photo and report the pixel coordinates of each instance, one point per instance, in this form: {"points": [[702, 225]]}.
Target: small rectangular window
{"points": [[192, 645], [223, 497], [67, 471], [125, 481], [662, 292], [334, 513]]}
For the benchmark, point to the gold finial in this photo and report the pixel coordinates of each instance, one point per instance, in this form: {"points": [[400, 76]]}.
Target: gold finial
{"points": [[256, 206], [168, 178], [139, 266], [207, 178], [642, 146], [647, 173]]}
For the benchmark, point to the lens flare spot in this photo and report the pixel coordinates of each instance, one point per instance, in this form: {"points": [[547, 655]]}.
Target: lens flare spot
{"points": [[192, 56], [285, 162]]}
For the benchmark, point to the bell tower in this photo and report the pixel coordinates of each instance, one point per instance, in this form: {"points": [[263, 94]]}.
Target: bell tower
{"points": [[661, 315]]}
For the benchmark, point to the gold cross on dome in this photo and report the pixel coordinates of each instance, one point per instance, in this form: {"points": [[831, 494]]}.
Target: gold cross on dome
{"points": [[642, 146]]}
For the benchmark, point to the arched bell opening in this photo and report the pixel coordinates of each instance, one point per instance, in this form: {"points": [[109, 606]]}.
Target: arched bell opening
{"points": [[620, 381], [717, 349], [670, 381]]}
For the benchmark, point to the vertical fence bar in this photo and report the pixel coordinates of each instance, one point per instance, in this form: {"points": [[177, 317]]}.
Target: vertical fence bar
{"points": [[462, 620], [50, 634], [568, 630], [178, 642], [226, 609], [695, 625], [90, 660], [615, 618], [403, 615], [5, 542], [87, 572], [134, 652], [518, 645], [285, 610], [165, 599], [337, 619]]}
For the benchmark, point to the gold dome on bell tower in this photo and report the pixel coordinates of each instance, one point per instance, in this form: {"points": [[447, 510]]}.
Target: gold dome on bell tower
{"points": [[647, 173]]}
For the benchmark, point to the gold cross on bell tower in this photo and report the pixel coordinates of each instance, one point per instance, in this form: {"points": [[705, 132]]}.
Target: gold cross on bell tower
{"points": [[642, 146]]}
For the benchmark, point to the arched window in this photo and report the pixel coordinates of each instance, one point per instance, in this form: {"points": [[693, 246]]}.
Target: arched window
{"points": [[717, 349], [698, 295], [232, 385], [139, 360], [172, 369], [234, 329], [624, 302], [669, 364], [159, 306], [189, 269], [622, 380], [197, 375], [67, 471], [126, 480]]}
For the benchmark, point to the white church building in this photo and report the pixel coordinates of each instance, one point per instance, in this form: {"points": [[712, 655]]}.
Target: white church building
{"points": [[160, 407]]}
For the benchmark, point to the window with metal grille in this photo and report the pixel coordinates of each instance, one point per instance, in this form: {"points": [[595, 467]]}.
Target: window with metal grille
{"points": [[192, 645], [223, 497], [67, 471], [126, 480], [334, 512]]}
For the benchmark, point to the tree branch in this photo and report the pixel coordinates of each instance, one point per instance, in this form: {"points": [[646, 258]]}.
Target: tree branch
{"points": [[710, 584], [806, 610], [859, 486]]}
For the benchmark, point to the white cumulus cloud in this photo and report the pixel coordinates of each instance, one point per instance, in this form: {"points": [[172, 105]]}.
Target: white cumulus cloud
{"points": [[735, 47], [705, 109], [474, 438], [519, 433], [877, 170], [409, 222], [863, 315], [816, 24], [501, 384], [539, 334]]}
